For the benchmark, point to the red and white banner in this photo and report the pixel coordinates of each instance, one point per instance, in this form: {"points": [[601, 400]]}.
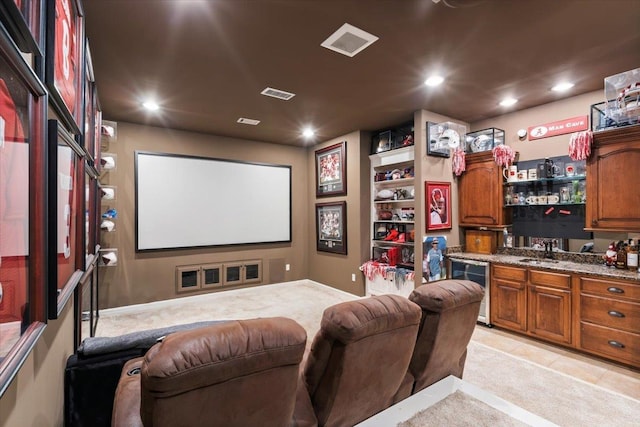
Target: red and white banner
{"points": [[574, 124]]}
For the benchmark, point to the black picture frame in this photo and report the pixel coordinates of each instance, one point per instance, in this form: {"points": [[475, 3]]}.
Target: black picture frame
{"points": [[331, 170], [64, 73], [24, 111], [61, 285], [25, 24], [331, 227], [434, 142]]}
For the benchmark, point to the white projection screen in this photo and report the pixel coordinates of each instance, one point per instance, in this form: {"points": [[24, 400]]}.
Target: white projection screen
{"points": [[186, 202]]}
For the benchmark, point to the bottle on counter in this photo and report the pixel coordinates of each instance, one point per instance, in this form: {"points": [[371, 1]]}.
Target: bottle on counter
{"points": [[632, 255], [621, 256]]}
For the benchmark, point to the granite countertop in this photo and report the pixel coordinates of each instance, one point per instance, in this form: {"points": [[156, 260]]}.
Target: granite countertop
{"points": [[590, 269]]}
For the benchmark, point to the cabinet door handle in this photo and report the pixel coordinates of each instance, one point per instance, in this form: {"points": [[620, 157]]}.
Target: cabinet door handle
{"points": [[616, 313], [616, 344], [615, 290]]}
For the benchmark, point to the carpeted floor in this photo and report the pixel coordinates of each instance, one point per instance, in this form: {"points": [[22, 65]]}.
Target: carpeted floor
{"points": [[559, 398]]}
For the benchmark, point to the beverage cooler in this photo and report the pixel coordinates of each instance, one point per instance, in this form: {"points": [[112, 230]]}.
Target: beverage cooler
{"points": [[476, 271]]}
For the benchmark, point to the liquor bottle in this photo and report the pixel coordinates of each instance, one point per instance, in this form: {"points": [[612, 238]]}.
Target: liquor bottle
{"points": [[632, 256], [621, 258]]}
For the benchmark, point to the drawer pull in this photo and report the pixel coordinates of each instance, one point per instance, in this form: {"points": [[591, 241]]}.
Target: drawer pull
{"points": [[616, 344], [615, 290], [616, 314]]}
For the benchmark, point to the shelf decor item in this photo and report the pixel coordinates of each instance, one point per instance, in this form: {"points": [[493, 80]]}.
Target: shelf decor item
{"points": [[331, 170], [444, 137], [438, 205], [331, 227], [65, 59], [483, 140]]}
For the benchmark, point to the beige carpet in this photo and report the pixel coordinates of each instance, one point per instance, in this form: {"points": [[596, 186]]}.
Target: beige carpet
{"points": [[549, 394]]}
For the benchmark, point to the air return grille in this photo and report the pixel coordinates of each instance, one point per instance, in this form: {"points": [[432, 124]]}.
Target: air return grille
{"points": [[277, 93], [349, 40]]}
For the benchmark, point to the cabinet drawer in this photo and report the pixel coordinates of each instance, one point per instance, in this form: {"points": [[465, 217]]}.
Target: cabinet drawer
{"points": [[555, 280], [610, 312], [619, 345], [511, 273], [610, 288]]}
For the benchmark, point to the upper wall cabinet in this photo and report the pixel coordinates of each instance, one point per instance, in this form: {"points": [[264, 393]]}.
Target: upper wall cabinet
{"points": [[480, 193], [613, 199]]}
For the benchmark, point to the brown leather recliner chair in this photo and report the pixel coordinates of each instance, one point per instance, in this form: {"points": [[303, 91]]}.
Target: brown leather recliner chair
{"points": [[236, 373], [357, 360], [449, 314]]}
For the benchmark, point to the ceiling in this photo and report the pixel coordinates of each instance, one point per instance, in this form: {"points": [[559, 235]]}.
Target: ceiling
{"points": [[206, 62]]}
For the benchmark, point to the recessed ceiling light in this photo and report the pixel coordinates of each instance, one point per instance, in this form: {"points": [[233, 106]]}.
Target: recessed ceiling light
{"points": [[151, 105], [434, 80], [561, 87], [507, 102], [308, 132]]}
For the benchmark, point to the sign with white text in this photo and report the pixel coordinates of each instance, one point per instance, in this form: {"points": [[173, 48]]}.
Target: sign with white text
{"points": [[574, 124]]}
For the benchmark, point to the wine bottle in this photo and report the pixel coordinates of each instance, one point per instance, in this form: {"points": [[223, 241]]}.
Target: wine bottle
{"points": [[632, 256], [621, 258]]}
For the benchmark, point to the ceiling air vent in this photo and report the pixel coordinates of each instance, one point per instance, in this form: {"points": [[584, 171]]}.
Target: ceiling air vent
{"points": [[246, 121], [349, 40], [277, 93]]}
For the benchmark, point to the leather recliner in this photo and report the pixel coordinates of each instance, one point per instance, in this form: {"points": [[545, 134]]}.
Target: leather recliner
{"points": [[236, 373], [357, 360], [449, 314]]}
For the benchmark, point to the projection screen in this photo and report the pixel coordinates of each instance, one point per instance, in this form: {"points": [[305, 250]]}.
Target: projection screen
{"points": [[186, 202]]}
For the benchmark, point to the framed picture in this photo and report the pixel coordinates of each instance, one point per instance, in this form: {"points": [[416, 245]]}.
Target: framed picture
{"points": [[65, 61], [433, 265], [66, 216], [438, 140], [24, 21], [331, 170], [437, 196], [331, 227]]}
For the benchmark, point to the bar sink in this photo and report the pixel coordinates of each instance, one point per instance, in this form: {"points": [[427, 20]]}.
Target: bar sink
{"points": [[538, 260]]}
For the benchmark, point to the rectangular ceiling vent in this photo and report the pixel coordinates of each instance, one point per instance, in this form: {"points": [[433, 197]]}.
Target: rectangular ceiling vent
{"points": [[277, 93], [246, 121], [349, 40]]}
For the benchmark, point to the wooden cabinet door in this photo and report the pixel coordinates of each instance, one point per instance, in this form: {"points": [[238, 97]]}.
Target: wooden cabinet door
{"points": [[550, 313], [613, 199], [509, 304], [480, 192]]}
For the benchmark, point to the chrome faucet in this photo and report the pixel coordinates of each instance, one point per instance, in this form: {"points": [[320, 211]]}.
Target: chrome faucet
{"points": [[548, 249]]}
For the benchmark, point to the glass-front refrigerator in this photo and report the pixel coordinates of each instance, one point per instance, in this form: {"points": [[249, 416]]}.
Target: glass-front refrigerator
{"points": [[476, 271]]}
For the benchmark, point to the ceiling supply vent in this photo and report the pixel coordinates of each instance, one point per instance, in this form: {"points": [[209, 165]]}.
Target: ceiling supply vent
{"points": [[277, 93], [246, 121], [349, 40]]}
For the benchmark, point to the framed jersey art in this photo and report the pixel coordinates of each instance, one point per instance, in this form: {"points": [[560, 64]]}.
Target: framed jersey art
{"points": [[65, 60], [24, 21]]}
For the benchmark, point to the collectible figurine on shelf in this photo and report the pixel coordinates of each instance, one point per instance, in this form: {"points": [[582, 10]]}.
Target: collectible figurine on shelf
{"points": [[610, 255]]}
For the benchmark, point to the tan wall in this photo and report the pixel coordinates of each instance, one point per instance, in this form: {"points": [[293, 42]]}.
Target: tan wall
{"points": [[35, 396], [547, 147], [150, 276], [333, 269]]}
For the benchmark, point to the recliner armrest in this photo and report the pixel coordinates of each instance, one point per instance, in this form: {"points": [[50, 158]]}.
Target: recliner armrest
{"points": [[126, 405]]}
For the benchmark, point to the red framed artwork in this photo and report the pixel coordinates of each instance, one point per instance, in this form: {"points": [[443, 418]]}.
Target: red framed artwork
{"points": [[66, 220], [331, 170], [437, 196], [23, 218], [24, 21], [65, 60]]}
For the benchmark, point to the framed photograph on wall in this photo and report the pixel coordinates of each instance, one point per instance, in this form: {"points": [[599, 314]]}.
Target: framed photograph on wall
{"points": [[437, 196], [66, 216], [65, 61], [331, 227], [23, 19], [331, 170]]}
